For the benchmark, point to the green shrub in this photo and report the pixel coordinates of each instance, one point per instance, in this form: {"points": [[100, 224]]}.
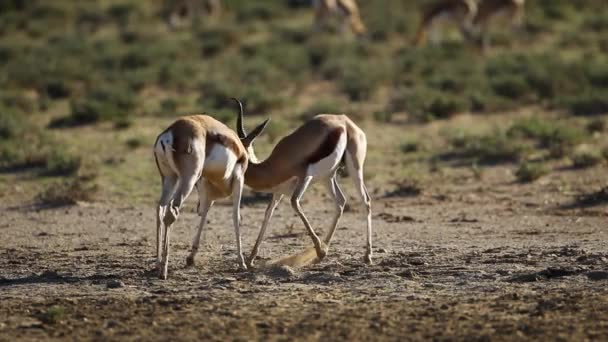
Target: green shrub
{"points": [[410, 146], [100, 104], [529, 172], [11, 126], [251, 10], [61, 163], [512, 87], [69, 192], [53, 314], [323, 106], [57, 89], [383, 116], [217, 39], [134, 143], [586, 157], [169, 106], [446, 106], [596, 126], [587, 103], [557, 137], [496, 147]]}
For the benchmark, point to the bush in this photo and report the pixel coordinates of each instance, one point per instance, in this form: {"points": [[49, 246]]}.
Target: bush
{"points": [[586, 157], [588, 103], [217, 39], [596, 126], [53, 315], [511, 87], [252, 10], [69, 192], [529, 172], [61, 163], [11, 126], [496, 147], [57, 89], [323, 106], [558, 138], [101, 104]]}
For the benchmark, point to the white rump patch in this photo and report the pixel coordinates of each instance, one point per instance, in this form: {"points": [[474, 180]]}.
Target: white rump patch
{"points": [[327, 165], [165, 155]]}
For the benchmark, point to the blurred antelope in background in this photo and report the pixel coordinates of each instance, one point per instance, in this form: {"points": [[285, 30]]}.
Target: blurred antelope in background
{"points": [[199, 151], [313, 152], [177, 12], [458, 12], [347, 10], [511, 10]]}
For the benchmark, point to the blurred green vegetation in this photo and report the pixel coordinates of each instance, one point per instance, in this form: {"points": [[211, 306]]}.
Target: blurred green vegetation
{"points": [[67, 63]]}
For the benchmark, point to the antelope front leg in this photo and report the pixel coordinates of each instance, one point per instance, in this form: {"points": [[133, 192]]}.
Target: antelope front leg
{"points": [[276, 199], [340, 201], [237, 192], [320, 247]]}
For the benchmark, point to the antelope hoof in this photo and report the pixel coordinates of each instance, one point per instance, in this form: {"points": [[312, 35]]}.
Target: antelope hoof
{"points": [[243, 266], [367, 259], [249, 262], [190, 261], [162, 274], [322, 252]]}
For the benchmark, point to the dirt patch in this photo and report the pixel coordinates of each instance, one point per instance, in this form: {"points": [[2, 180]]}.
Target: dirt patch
{"points": [[468, 272]]}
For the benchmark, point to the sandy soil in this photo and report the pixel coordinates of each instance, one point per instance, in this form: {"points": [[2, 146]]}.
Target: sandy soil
{"points": [[479, 260]]}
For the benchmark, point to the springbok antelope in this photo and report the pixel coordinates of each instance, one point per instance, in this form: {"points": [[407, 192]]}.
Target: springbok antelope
{"points": [[175, 11], [459, 12], [198, 150], [312, 152], [513, 10], [346, 9]]}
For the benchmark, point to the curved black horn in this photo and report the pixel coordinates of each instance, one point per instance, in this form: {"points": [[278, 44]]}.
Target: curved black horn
{"points": [[239, 120]]}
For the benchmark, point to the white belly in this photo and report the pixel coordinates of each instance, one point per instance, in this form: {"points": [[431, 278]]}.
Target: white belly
{"points": [[220, 161], [326, 166]]}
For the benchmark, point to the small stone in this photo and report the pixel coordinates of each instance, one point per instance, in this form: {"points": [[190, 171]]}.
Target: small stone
{"points": [[115, 284], [281, 271]]}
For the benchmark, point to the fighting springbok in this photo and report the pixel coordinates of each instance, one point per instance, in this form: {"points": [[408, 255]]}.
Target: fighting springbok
{"points": [[346, 9], [313, 152], [513, 10], [198, 150], [459, 12]]}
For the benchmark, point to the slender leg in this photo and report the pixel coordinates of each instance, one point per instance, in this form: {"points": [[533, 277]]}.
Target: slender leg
{"points": [[204, 205], [237, 192], [276, 199], [187, 180], [340, 201], [168, 185], [295, 203], [362, 190]]}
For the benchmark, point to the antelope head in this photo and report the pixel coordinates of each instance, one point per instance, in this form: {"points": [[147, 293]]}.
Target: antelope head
{"points": [[247, 139]]}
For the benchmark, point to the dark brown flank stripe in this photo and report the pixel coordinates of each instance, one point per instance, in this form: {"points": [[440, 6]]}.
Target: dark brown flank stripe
{"points": [[327, 147]]}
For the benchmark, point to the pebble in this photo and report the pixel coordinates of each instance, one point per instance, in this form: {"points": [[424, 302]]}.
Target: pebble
{"points": [[114, 284]]}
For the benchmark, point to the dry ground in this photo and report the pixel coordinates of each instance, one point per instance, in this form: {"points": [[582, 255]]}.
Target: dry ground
{"points": [[468, 260]]}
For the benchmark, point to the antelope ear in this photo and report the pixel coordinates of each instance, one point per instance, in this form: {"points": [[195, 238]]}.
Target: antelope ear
{"points": [[255, 133]]}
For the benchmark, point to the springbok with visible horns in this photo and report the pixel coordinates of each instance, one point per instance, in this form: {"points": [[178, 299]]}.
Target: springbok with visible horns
{"points": [[198, 150], [346, 9], [312, 152], [459, 12]]}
